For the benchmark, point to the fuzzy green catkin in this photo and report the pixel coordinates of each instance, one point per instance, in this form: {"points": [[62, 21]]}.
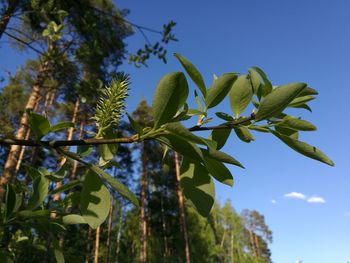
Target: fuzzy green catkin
{"points": [[111, 103]]}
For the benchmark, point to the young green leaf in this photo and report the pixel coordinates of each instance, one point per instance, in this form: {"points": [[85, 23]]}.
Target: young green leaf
{"points": [[221, 157], [301, 100], [10, 201], [219, 171], [198, 187], [171, 93], [61, 126], [243, 134], [255, 80], [40, 190], [179, 130], [220, 136], [116, 185], [194, 74], [224, 116], [95, 200], [240, 94], [266, 88], [39, 124], [296, 124], [57, 250], [135, 125], [304, 148], [275, 102], [218, 91], [73, 219], [181, 146]]}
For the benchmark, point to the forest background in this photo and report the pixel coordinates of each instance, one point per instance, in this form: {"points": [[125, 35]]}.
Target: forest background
{"points": [[290, 41]]}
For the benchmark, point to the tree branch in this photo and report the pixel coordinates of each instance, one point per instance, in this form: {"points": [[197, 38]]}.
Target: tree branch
{"points": [[132, 139]]}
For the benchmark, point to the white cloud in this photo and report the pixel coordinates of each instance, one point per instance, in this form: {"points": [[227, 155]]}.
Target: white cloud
{"points": [[295, 195], [273, 201], [316, 199]]}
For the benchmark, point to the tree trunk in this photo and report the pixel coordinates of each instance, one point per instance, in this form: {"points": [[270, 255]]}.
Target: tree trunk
{"points": [[183, 226], [257, 246], [119, 233], [143, 221], [88, 252], [164, 226], [5, 18], [109, 232], [10, 163], [50, 96], [97, 244], [75, 163], [70, 133]]}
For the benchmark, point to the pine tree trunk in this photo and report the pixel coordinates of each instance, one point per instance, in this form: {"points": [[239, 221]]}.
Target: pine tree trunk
{"points": [[119, 233], [164, 226], [5, 18], [109, 232], [143, 220], [10, 163], [182, 209], [50, 96], [70, 133], [75, 163], [88, 252], [97, 244]]}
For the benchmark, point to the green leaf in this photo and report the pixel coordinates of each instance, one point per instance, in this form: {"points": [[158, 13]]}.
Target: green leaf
{"points": [[116, 185], [304, 148], [243, 134], [84, 150], [65, 187], [266, 88], [275, 102], [258, 128], [60, 174], [192, 71], [224, 116], [135, 125], [301, 100], [176, 128], [5, 258], [308, 91], [171, 93], [181, 146], [302, 106], [10, 201], [219, 171], [57, 251], [194, 112], [198, 187], [218, 91], [288, 132], [255, 80], [221, 157], [220, 136], [73, 219], [95, 200], [296, 124], [34, 214], [241, 94], [61, 126], [40, 190], [39, 124]]}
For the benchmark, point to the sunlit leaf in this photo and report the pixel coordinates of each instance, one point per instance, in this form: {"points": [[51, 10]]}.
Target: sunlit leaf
{"points": [[193, 72], [275, 102], [171, 93], [241, 94]]}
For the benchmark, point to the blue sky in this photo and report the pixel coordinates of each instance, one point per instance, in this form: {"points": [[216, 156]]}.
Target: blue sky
{"points": [[296, 40]]}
